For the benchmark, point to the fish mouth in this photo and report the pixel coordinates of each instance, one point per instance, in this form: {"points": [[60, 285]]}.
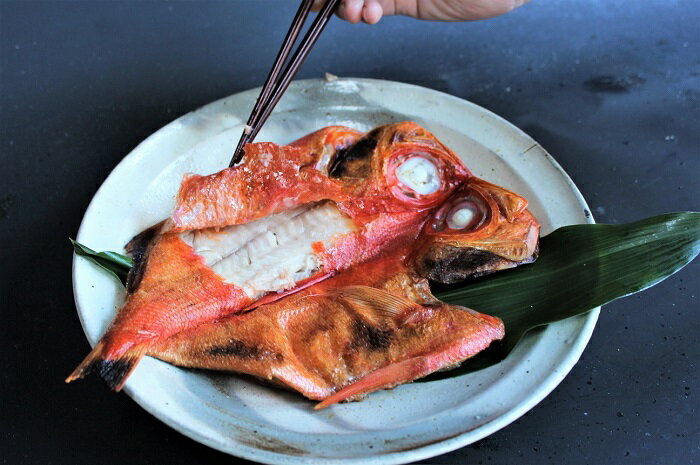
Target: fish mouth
{"points": [[273, 253]]}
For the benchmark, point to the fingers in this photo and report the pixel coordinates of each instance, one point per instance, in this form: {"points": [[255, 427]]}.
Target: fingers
{"points": [[351, 10], [451, 10], [354, 11], [372, 12]]}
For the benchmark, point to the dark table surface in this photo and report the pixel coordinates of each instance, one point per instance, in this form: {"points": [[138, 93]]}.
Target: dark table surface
{"points": [[610, 88]]}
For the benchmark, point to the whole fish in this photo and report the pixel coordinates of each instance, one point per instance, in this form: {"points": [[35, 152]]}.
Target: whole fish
{"points": [[369, 328], [289, 217]]}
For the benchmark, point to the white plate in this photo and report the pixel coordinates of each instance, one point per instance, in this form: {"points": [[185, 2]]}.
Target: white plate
{"points": [[239, 416]]}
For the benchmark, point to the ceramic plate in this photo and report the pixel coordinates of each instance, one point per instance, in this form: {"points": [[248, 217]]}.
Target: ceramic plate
{"points": [[247, 419]]}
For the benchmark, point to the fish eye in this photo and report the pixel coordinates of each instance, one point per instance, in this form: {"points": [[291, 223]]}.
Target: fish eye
{"points": [[464, 215], [419, 174]]}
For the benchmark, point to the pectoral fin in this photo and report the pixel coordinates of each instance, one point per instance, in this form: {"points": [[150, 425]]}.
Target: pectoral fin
{"points": [[378, 306]]}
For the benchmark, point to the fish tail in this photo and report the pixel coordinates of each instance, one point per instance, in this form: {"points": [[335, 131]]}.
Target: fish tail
{"points": [[114, 371], [383, 378]]}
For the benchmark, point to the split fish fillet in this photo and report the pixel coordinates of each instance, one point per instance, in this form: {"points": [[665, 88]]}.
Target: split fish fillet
{"points": [[290, 217]]}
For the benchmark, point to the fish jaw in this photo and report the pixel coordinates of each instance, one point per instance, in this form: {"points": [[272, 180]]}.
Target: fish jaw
{"points": [[481, 229]]}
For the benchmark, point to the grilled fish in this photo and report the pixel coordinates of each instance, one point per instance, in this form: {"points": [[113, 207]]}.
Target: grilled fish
{"points": [[289, 217]]}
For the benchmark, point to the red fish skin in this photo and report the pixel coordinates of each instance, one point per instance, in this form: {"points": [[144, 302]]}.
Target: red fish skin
{"points": [[448, 352], [177, 291], [377, 237], [318, 344], [271, 179], [276, 178]]}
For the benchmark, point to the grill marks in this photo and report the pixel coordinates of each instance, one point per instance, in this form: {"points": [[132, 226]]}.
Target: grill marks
{"points": [[368, 336], [242, 350]]}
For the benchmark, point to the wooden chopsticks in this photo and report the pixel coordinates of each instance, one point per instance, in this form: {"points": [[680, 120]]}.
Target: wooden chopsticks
{"points": [[275, 85]]}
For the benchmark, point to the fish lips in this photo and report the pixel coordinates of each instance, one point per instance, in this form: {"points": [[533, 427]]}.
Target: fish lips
{"points": [[481, 228]]}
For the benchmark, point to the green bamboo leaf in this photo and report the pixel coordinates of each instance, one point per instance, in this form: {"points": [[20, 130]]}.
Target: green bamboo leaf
{"points": [[116, 264], [581, 267]]}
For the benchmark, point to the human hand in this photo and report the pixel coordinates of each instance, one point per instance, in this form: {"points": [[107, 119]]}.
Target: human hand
{"points": [[371, 11]]}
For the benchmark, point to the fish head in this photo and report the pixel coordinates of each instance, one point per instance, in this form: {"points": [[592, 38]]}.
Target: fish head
{"points": [[479, 229], [402, 163]]}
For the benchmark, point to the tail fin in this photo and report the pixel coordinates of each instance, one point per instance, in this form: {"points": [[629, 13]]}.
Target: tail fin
{"points": [[383, 378], [114, 371]]}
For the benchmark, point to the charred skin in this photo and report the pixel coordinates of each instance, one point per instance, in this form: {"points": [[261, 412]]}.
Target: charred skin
{"points": [[138, 249], [354, 161], [449, 264]]}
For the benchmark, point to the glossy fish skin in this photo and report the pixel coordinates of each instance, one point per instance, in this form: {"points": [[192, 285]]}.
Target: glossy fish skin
{"points": [[343, 338], [339, 340], [272, 179], [360, 178], [176, 291]]}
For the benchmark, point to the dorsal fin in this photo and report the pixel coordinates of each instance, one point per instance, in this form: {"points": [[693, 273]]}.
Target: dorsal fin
{"points": [[378, 306]]}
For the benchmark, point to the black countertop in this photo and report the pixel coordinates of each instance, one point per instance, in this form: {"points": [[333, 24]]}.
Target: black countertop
{"points": [[610, 88]]}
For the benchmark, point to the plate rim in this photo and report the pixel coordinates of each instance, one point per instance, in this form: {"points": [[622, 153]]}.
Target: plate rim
{"points": [[418, 453]]}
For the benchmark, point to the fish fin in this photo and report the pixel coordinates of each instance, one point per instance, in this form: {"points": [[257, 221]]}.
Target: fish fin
{"points": [[383, 378], [377, 305], [114, 371]]}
